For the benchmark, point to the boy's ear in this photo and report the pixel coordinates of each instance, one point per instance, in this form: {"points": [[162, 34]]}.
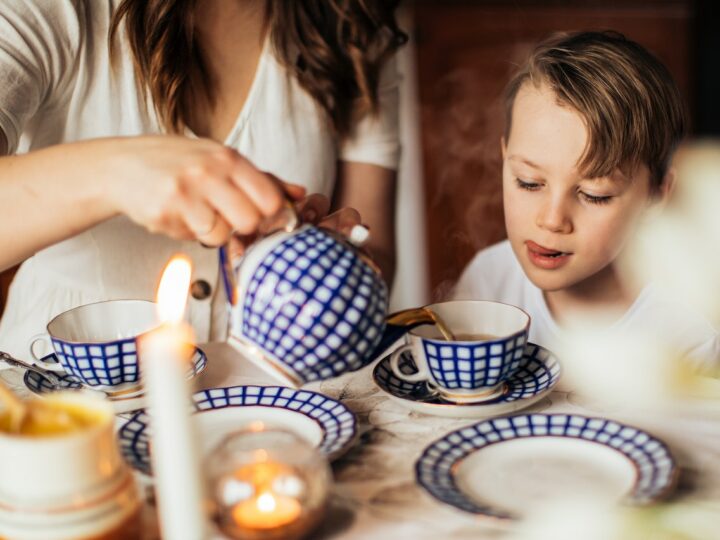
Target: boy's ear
{"points": [[667, 188]]}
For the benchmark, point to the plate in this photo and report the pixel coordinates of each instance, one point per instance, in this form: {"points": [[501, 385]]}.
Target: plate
{"points": [[323, 422], [126, 399], [538, 374], [502, 467]]}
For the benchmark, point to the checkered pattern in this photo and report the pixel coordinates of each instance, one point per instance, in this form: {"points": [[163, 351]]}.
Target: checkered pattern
{"points": [[538, 371], [468, 366], [336, 421], [39, 384], [435, 469], [315, 306], [103, 364]]}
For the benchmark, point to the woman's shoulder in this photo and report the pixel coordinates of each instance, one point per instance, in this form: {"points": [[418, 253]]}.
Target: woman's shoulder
{"points": [[50, 27]]}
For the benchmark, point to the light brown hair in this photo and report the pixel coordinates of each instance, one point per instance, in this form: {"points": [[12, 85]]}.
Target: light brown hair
{"points": [[335, 49], [630, 104]]}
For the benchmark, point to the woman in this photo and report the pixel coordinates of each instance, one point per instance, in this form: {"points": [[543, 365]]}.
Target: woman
{"points": [[149, 119]]}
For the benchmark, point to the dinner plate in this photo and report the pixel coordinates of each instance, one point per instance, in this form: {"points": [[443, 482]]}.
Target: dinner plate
{"points": [[323, 422], [538, 374], [123, 398], [502, 467]]}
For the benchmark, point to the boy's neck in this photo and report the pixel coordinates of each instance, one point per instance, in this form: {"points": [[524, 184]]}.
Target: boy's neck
{"points": [[605, 294]]}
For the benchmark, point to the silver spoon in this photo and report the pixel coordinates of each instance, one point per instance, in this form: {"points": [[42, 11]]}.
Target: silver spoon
{"points": [[11, 361]]}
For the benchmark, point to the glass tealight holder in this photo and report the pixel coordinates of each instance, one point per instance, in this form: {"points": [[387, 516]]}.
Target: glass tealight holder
{"points": [[267, 484]]}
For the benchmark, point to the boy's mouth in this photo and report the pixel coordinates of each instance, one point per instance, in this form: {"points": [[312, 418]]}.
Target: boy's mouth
{"points": [[546, 258]]}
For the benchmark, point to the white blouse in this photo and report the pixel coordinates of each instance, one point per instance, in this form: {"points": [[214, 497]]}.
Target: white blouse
{"points": [[57, 85]]}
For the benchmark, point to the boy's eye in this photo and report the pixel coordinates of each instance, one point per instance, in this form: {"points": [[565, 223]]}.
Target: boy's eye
{"points": [[596, 199], [529, 186]]}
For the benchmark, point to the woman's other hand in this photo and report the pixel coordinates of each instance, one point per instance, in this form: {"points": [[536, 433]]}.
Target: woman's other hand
{"points": [[311, 209]]}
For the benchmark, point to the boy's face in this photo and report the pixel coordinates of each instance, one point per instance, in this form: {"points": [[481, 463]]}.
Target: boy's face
{"points": [[563, 228]]}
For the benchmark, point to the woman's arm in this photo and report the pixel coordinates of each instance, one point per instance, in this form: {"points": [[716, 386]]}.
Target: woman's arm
{"points": [[371, 190], [184, 188]]}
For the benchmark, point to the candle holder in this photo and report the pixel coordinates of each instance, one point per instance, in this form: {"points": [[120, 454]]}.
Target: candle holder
{"points": [[267, 484]]}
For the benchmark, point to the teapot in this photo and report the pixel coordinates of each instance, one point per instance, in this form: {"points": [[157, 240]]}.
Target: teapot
{"points": [[307, 304]]}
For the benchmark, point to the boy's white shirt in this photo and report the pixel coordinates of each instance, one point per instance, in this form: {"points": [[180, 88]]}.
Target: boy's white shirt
{"points": [[495, 274]]}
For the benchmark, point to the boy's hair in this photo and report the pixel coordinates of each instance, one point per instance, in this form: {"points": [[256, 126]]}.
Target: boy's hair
{"points": [[630, 104]]}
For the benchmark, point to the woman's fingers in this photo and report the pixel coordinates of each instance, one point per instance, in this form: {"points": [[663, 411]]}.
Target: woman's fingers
{"points": [[217, 236], [261, 188], [294, 192], [342, 221], [313, 208]]}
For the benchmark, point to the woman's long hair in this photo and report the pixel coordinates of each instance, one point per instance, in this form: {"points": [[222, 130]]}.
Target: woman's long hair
{"points": [[335, 49]]}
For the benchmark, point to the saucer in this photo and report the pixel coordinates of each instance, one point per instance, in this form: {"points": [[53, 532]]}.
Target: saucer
{"points": [[325, 423], [501, 467], [539, 372], [123, 397]]}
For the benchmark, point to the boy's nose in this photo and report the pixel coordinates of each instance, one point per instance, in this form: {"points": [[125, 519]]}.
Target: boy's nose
{"points": [[554, 217]]}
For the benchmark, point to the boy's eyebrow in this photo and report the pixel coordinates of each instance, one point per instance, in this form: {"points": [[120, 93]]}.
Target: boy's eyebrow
{"points": [[526, 161]]}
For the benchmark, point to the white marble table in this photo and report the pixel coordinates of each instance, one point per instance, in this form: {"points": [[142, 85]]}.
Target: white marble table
{"points": [[375, 495]]}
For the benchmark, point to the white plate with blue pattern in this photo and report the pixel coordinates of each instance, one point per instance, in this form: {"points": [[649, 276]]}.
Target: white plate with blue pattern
{"points": [[502, 467], [536, 377], [322, 421], [129, 397]]}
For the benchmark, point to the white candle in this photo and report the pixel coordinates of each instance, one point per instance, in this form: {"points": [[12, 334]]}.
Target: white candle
{"points": [[165, 354]]}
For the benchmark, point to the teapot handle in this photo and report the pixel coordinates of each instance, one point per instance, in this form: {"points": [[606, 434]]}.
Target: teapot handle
{"points": [[286, 219]]}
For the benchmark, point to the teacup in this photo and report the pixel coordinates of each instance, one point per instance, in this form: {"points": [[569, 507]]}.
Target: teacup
{"points": [[97, 343], [490, 338], [65, 484]]}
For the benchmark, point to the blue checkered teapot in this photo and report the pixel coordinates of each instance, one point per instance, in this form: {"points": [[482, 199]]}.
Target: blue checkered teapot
{"points": [[306, 305]]}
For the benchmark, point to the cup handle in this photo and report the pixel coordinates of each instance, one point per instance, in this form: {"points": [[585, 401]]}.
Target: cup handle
{"points": [[421, 375], [38, 359]]}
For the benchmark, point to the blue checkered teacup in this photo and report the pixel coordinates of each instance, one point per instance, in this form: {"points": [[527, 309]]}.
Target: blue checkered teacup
{"points": [[487, 349], [97, 343]]}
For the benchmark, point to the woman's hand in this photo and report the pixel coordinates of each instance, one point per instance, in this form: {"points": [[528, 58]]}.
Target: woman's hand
{"points": [[311, 209], [189, 188]]}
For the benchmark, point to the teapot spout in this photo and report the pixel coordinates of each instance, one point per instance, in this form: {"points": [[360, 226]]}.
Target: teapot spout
{"points": [[399, 323]]}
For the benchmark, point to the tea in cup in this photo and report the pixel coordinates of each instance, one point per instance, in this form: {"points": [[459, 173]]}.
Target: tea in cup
{"points": [[488, 349], [97, 343]]}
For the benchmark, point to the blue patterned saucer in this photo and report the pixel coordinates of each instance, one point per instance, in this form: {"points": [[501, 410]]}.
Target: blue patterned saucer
{"points": [[501, 467], [539, 372], [320, 420], [40, 384]]}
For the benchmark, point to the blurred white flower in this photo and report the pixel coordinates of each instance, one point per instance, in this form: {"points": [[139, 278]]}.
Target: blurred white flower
{"points": [[679, 247], [570, 519]]}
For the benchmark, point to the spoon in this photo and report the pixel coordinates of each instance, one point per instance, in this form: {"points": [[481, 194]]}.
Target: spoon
{"points": [[444, 330], [11, 361], [417, 316]]}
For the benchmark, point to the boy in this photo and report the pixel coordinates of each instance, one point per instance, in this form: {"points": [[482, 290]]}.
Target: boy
{"points": [[592, 121]]}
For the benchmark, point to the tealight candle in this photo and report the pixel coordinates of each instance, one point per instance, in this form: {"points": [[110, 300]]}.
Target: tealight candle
{"points": [[267, 484], [267, 511]]}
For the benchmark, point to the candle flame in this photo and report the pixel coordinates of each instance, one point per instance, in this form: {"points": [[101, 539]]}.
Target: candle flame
{"points": [[173, 289], [266, 502]]}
